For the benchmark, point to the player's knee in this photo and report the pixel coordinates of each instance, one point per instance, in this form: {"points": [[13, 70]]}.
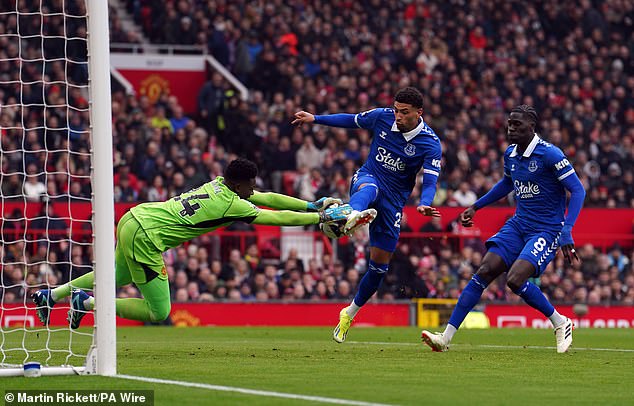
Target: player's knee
{"points": [[160, 313], [485, 272], [371, 187], [514, 282]]}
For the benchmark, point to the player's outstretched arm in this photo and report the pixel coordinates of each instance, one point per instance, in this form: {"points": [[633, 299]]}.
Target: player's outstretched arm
{"points": [[500, 190], [577, 196], [293, 218], [303, 117], [333, 120], [279, 201], [285, 218]]}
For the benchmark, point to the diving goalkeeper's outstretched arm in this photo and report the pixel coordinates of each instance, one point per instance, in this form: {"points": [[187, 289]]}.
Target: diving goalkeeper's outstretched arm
{"points": [[293, 218], [279, 201]]}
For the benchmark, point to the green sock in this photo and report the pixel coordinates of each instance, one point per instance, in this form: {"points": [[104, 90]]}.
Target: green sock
{"points": [[84, 282]]}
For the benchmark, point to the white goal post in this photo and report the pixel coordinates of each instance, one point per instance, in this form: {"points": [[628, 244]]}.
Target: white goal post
{"points": [[105, 338], [27, 262]]}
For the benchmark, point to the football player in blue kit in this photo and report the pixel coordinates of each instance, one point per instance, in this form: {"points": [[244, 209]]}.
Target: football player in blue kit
{"points": [[402, 144], [539, 174]]}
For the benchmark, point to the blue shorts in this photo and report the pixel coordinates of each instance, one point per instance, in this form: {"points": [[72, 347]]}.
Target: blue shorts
{"points": [[386, 227], [515, 241]]}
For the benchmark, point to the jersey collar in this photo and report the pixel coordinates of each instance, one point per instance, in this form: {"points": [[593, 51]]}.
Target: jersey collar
{"points": [[529, 150], [412, 133]]}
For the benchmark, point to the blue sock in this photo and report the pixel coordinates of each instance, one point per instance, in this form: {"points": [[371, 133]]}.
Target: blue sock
{"points": [[533, 296], [469, 297], [364, 197], [370, 282]]}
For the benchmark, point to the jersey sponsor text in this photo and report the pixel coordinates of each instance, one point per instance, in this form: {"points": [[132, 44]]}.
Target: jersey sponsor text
{"points": [[388, 161], [526, 191], [562, 164]]}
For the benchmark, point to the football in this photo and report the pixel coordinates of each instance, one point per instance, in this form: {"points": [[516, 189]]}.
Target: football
{"points": [[333, 230]]}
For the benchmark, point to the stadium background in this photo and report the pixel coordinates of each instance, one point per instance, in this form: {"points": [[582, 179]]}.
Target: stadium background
{"points": [[473, 61]]}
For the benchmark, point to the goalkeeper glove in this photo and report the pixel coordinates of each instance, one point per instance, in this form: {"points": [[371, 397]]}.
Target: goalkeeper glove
{"points": [[324, 202], [566, 236], [334, 214]]}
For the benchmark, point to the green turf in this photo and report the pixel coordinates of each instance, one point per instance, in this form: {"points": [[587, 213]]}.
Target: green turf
{"points": [[385, 365]]}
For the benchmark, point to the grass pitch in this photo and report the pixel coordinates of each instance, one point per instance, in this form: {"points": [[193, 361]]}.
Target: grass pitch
{"points": [[379, 365]]}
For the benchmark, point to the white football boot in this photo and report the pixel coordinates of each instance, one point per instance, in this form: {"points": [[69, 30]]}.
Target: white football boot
{"points": [[436, 341], [358, 219], [563, 334]]}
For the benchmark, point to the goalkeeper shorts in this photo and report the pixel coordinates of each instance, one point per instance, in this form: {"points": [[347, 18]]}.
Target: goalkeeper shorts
{"points": [[136, 258]]}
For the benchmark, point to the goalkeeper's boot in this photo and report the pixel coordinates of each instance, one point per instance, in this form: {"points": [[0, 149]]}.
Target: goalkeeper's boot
{"points": [[563, 334], [44, 304], [358, 219], [436, 341], [77, 308], [341, 331]]}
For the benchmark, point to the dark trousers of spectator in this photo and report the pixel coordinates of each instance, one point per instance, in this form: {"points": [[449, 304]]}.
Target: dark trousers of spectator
{"points": [[212, 123]]}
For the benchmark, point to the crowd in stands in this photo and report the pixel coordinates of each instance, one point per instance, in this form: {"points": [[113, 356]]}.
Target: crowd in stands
{"points": [[416, 270], [473, 61]]}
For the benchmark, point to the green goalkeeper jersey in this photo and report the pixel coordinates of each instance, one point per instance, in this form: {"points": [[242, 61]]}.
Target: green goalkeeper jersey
{"points": [[193, 213]]}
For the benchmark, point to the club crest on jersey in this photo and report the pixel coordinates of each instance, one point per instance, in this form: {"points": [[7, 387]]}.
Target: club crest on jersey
{"points": [[410, 149], [532, 166]]}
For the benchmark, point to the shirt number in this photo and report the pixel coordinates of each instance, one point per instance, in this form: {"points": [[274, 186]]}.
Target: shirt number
{"points": [[397, 223], [189, 209]]}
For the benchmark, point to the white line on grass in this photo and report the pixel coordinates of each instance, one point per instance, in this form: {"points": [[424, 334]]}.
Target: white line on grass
{"points": [[250, 391], [537, 347], [531, 347]]}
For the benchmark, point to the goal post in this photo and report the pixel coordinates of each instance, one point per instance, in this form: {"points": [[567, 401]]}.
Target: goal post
{"points": [[104, 357], [57, 183]]}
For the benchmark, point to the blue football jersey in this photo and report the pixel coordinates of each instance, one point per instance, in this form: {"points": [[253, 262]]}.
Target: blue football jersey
{"points": [[537, 174], [396, 158]]}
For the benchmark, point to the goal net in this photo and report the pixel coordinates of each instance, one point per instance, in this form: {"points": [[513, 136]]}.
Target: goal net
{"points": [[54, 115]]}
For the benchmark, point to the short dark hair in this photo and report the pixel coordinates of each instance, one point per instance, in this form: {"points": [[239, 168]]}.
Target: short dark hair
{"points": [[528, 112], [240, 170], [410, 95]]}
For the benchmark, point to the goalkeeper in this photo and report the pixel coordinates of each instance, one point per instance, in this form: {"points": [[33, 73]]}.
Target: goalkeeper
{"points": [[149, 229]]}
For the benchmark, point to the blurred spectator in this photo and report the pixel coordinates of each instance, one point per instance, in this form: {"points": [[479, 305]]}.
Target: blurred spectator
{"points": [[34, 189], [464, 196], [211, 99]]}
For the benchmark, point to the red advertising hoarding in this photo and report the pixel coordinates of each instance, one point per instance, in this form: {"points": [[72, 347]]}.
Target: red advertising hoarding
{"points": [[600, 227], [326, 314], [232, 314], [151, 75], [526, 316]]}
